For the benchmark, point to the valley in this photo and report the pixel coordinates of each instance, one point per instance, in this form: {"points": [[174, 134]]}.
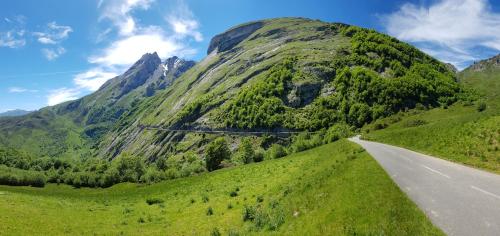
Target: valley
{"points": [[251, 139]]}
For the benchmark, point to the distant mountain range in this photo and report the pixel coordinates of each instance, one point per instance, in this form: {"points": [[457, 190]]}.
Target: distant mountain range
{"points": [[16, 112]]}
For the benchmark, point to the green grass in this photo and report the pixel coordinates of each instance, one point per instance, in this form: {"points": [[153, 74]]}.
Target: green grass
{"points": [[460, 133], [335, 189]]}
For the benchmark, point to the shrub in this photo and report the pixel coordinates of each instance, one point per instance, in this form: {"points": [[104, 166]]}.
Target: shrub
{"points": [[260, 199], [259, 155], [233, 194], [17, 177], [379, 124], [249, 213], [210, 211], [204, 198], [276, 151], [481, 106], [215, 232], [215, 153], [245, 153], [414, 123], [337, 131], [152, 201], [130, 168], [153, 175]]}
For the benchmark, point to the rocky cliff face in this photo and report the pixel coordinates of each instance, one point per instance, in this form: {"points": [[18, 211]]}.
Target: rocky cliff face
{"points": [[484, 64], [166, 74], [233, 37]]}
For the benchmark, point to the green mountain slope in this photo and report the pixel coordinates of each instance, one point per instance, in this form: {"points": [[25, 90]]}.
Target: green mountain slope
{"points": [[285, 74], [467, 132], [71, 129], [336, 189]]}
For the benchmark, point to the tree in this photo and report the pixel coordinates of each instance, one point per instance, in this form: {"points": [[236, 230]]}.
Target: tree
{"points": [[245, 152], [130, 168], [215, 153]]}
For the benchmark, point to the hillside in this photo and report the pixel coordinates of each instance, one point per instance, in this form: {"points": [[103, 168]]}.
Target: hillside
{"points": [[285, 74], [72, 129], [336, 189], [466, 132]]}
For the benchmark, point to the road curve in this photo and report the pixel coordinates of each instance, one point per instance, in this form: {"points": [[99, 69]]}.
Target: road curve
{"points": [[458, 199]]}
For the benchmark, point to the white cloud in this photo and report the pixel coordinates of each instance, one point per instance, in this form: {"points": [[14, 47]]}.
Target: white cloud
{"points": [[21, 90], [133, 41], [53, 34], [126, 51], [119, 13], [86, 81], [12, 39], [103, 35], [183, 23], [92, 79], [136, 40], [52, 54], [62, 95], [450, 29]]}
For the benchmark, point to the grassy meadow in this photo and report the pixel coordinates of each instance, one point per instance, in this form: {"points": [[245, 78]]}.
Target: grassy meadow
{"points": [[335, 189]]}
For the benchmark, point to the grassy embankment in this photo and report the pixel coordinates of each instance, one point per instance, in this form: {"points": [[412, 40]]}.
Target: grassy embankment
{"points": [[335, 189]]}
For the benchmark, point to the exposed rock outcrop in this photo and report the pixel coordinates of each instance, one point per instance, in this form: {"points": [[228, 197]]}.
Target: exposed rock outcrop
{"points": [[229, 39], [484, 64]]}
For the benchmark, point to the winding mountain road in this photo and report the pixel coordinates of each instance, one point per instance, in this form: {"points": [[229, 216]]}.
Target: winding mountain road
{"points": [[458, 199]]}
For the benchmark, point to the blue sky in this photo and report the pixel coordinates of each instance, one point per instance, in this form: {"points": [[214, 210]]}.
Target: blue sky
{"points": [[52, 51]]}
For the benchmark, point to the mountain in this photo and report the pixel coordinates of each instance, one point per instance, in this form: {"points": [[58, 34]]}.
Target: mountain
{"points": [[484, 76], [72, 128], [284, 74], [16, 112]]}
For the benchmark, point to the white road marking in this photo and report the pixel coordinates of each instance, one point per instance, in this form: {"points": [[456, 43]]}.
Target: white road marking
{"points": [[485, 192], [437, 172]]}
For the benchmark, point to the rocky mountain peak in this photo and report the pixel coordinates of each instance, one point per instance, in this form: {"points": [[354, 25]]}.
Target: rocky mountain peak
{"points": [[484, 64], [177, 65], [232, 37], [139, 73]]}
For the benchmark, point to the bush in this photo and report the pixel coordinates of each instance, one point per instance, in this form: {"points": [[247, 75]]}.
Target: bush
{"points": [[16, 177], [259, 155], [210, 211], [215, 153], [276, 151], [152, 201], [204, 198], [379, 124], [414, 123], [337, 131], [130, 168], [245, 153], [249, 213], [215, 232], [153, 175], [481, 106]]}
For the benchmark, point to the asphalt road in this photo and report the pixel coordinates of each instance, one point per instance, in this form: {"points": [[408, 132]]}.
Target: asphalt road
{"points": [[458, 199]]}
